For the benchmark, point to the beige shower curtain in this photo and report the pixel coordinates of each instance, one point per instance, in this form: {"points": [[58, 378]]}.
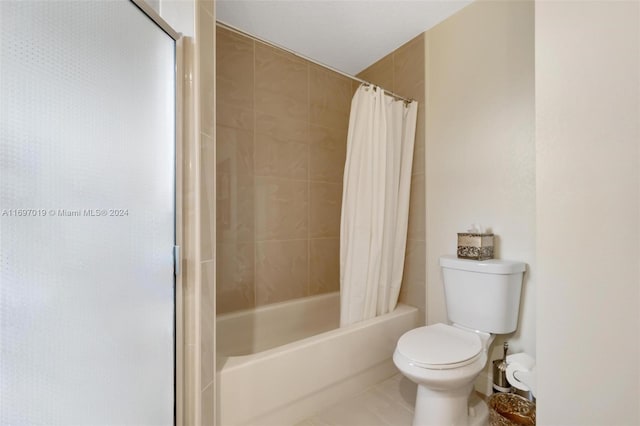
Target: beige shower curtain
{"points": [[375, 203]]}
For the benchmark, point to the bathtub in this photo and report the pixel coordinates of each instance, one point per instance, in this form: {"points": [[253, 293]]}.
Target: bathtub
{"points": [[281, 363]]}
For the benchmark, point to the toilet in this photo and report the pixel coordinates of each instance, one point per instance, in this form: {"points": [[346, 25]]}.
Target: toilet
{"points": [[444, 360]]}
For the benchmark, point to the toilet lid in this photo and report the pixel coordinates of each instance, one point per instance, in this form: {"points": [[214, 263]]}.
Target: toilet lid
{"points": [[438, 346]]}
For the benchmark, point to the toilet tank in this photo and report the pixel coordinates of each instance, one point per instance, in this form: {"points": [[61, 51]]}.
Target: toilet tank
{"points": [[483, 295]]}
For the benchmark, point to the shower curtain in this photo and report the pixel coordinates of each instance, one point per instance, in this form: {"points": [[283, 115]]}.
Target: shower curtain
{"points": [[375, 203]]}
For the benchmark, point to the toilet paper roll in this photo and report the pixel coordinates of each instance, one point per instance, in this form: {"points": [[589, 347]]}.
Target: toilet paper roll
{"points": [[524, 359], [521, 372], [512, 370]]}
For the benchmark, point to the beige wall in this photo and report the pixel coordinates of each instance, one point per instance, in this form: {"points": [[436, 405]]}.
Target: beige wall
{"points": [[402, 72], [587, 168], [480, 151], [282, 129]]}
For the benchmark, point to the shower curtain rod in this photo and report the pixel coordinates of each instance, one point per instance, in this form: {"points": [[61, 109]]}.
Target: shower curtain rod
{"points": [[306, 58]]}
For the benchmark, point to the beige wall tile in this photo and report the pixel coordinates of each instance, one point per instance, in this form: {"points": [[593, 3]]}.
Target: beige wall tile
{"points": [[298, 102], [326, 200], [236, 146], [419, 147], [417, 209], [207, 197], [418, 160], [329, 97], [354, 86], [281, 208], [280, 83], [327, 153], [234, 185], [234, 69], [191, 402], [413, 290], [235, 93], [234, 57], [234, 206], [278, 158], [280, 73], [380, 73], [281, 270], [234, 300], [420, 125], [205, 34], [281, 127], [229, 115], [208, 300], [208, 322], [264, 189], [417, 93], [278, 104], [203, 294], [235, 276], [408, 62], [208, 406], [324, 265]]}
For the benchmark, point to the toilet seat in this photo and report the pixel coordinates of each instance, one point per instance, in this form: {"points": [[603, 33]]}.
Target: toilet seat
{"points": [[440, 347]]}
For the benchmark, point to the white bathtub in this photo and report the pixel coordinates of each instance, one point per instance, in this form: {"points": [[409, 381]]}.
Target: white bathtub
{"points": [[291, 366]]}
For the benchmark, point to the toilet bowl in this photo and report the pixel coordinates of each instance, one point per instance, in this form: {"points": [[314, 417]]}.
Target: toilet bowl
{"points": [[444, 360]]}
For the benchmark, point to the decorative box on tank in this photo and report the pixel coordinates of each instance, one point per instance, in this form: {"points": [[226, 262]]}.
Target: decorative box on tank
{"points": [[476, 246]]}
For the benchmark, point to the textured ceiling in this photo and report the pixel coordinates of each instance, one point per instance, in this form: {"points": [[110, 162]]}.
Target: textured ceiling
{"points": [[344, 34]]}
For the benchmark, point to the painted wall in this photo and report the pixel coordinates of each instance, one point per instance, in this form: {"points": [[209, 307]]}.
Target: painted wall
{"points": [[480, 151], [402, 72], [281, 144], [178, 13], [588, 220]]}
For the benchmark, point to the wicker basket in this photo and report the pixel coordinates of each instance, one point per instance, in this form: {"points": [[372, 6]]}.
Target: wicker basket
{"points": [[507, 409]]}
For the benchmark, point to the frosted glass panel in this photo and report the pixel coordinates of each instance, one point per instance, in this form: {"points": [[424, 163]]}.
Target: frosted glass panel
{"points": [[87, 215]]}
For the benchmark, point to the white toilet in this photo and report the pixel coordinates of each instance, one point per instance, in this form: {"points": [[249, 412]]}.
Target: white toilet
{"points": [[483, 299]]}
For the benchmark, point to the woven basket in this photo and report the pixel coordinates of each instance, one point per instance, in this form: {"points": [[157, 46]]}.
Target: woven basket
{"points": [[507, 409]]}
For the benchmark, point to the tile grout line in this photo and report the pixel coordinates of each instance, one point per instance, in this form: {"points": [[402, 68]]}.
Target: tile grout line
{"points": [[298, 179]]}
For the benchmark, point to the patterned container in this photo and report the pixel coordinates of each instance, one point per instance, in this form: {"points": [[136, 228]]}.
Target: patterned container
{"points": [[508, 409], [475, 246]]}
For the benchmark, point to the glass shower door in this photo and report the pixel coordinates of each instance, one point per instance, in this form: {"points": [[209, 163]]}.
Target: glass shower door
{"points": [[87, 214]]}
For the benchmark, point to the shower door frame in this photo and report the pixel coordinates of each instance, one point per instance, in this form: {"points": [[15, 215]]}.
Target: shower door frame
{"points": [[178, 67], [178, 204]]}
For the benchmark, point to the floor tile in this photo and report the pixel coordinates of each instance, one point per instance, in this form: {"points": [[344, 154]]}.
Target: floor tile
{"points": [[388, 403]]}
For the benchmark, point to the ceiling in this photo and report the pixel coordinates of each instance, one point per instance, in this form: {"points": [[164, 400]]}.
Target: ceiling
{"points": [[348, 35]]}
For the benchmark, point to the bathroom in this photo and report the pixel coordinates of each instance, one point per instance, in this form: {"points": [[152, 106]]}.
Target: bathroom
{"points": [[311, 99], [475, 146], [490, 79]]}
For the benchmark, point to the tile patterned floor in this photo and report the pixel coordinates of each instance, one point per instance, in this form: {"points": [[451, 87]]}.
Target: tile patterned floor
{"points": [[389, 403]]}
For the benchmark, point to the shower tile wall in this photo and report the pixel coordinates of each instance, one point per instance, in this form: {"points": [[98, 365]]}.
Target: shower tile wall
{"points": [[403, 72], [281, 143], [205, 44]]}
